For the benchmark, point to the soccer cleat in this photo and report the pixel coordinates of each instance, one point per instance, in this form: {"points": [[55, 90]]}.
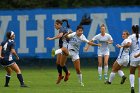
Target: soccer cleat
{"points": [[100, 77], [123, 79], [23, 85], [105, 77], [107, 82], [132, 90], [82, 84], [67, 76], [59, 79], [53, 52]]}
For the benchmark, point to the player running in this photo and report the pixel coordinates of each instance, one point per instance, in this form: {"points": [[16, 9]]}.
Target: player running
{"points": [[122, 60]]}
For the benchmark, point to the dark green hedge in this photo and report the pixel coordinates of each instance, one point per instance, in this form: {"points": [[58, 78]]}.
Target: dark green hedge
{"points": [[14, 4]]}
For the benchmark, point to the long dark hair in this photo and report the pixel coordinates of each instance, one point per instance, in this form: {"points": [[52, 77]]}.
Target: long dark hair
{"points": [[135, 29], [62, 21], [67, 23], [79, 27], [8, 35]]}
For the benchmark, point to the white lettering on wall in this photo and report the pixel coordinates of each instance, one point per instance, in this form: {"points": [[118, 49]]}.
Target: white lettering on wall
{"points": [[39, 33], [134, 16], [4, 25]]}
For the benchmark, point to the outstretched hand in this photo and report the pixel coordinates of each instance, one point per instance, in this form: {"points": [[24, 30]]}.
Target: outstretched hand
{"points": [[48, 38], [86, 49], [1, 57], [119, 46], [99, 45]]}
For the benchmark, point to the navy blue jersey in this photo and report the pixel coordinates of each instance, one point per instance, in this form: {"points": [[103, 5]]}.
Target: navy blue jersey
{"points": [[6, 49], [64, 31]]}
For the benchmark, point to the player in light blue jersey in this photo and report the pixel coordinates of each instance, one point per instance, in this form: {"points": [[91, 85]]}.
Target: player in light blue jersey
{"points": [[105, 39], [122, 60], [73, 49], [134, 59], [7, 49]]}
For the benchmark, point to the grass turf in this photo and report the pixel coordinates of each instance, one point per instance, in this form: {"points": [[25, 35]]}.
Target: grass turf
{"points": [[43, 81]]}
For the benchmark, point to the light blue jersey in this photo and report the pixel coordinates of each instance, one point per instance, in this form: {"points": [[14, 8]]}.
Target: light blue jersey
{"points": [[75, 41], [124, 51], [104, 49]]}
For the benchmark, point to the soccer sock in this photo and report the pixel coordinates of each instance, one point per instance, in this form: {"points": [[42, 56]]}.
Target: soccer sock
{"points": [[139, 84], [20, 78], [132, 79], [65, 69], [111, 77], [100, 70], [59, 69], [105, 70], [79, 77], [7, 79], [120, 72], [58, 51]]}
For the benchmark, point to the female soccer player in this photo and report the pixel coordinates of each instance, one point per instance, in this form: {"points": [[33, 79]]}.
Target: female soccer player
{"points": [[6, 60], [134, 59], [73, 49], [122, 60], [62, 43], [105, 39]]}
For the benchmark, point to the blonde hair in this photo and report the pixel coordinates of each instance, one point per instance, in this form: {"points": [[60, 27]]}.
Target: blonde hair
{"points": [[127, 33], [102, 25]]}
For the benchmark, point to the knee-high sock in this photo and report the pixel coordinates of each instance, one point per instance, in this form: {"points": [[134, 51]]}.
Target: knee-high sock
{"points": [[105, 70], [100, 70], [120, 72], [111, 77], [59, 69], [20, 78], [132, 79], [65, 69], [79, 77], [7, 79]]}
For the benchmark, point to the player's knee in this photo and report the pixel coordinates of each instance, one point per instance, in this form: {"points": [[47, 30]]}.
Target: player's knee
{"points": [[62, 64], [9, 73]]}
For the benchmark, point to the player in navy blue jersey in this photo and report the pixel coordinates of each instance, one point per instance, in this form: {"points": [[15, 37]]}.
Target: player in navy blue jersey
{"points": [[62, 43], [7, 49]]}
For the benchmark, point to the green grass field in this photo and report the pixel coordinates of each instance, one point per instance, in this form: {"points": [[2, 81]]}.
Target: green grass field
{"points": [[43, 81]]}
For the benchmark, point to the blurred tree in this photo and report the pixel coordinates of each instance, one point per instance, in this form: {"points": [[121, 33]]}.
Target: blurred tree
{"points": [[23, 4]]}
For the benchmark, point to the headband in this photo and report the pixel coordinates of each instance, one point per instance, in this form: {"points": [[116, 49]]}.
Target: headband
{"points": [[12, 33]]}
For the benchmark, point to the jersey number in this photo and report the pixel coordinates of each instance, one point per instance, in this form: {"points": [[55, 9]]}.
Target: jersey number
{"points": [[5, 46]]}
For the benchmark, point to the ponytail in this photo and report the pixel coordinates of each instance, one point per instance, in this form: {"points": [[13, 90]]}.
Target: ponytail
{"points": [[135, 29], [67, 23]]}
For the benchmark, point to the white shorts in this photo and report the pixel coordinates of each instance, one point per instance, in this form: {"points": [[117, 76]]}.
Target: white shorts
{"points": [[65, 44], [123, 61], [74, 55], [134, 61], [103, 53]]}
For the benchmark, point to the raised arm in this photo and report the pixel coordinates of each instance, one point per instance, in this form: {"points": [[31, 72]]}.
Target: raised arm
{"points": [[87, 47], [55, 37], [124, 46], [93, 44]]}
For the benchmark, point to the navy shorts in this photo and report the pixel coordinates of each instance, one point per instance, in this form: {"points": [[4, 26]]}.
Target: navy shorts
{"points": [[5, 62]]}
